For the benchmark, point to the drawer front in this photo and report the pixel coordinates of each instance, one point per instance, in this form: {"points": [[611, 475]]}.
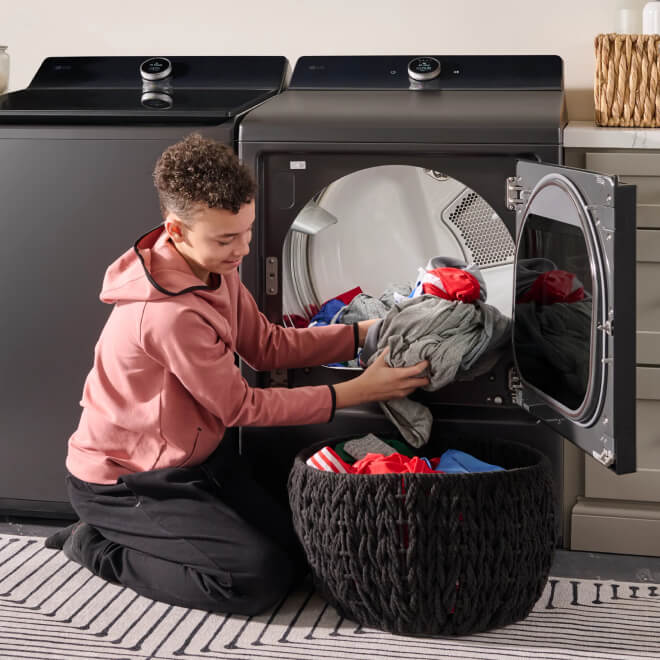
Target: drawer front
{"points": [[648, 296], [641, 170], [643, 485], [648, 347]]}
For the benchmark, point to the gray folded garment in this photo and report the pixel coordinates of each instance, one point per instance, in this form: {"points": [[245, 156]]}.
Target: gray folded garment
{"points": [[453, 337], [364, 306]]}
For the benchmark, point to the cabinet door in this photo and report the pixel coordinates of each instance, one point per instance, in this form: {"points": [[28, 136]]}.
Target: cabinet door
{"points": [[639, 169], [643, 170]]}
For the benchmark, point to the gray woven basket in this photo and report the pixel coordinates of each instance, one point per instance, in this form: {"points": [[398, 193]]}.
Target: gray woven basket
{"points": [[450, 554]]}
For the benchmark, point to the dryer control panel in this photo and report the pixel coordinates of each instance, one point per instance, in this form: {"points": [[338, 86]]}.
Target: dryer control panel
{"points": [[432, 72]]}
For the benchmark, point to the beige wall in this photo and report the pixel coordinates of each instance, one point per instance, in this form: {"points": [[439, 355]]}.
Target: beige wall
{"points": [[35, 29]]}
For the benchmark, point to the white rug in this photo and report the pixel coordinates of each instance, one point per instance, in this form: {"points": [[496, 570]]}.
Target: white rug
{"points": [[53, 608]]}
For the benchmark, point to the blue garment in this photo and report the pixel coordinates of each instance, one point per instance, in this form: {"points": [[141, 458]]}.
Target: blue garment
{"points": [[327, 312], [455, 461]]}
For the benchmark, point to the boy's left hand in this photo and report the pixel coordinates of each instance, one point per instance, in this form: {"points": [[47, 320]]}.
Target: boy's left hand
{"points": [[363, 326]]}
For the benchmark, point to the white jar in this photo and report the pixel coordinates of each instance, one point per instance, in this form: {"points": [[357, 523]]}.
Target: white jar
{"points": [[4, 69], [629, 21], [651, 18]]}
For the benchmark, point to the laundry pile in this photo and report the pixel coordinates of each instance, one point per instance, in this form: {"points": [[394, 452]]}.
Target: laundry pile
{"points": [[446, 322], [443, 318], [373, 455]]}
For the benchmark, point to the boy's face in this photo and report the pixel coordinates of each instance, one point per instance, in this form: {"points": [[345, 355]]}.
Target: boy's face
{"points": [[215, 241]]}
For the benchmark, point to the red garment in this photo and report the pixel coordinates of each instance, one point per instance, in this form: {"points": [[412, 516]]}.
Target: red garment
{"points": [[451, 284], [298, 321], [347, 296], [554, 286], [392, 464]]}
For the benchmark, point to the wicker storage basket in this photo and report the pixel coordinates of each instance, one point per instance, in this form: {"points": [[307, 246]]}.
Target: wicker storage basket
{"points": [[626, 84], [429, 554]]}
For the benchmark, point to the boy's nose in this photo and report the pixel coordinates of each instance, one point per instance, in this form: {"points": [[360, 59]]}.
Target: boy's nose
{"points": [[243, 249]]}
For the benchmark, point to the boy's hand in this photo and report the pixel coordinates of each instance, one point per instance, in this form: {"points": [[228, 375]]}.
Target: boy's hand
{"points": [[383, 382], [379, 382]]}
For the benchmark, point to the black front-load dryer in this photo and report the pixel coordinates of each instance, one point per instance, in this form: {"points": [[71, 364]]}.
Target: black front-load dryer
{"points": [[369, 166]]}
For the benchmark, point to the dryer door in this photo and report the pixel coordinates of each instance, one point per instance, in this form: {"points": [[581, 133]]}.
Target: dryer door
{"points": [[574, 306]]}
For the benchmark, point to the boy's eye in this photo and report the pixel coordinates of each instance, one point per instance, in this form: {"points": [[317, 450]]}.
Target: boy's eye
{"points": [[224, 243]]}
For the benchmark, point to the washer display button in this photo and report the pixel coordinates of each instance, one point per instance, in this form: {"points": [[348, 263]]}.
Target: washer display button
{"points": [[155, 68]]}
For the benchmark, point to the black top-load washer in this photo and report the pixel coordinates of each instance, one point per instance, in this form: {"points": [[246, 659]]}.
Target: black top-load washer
{"points": [[368, 166], [77, 152]]}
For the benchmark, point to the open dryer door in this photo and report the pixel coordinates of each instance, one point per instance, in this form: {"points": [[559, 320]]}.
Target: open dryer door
{"points": [[574, 307]]}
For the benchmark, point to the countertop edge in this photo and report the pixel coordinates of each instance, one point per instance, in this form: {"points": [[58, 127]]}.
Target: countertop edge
{"points": [[586, 135]]}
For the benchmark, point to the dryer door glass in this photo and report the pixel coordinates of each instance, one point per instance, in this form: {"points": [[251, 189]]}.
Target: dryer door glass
{"points": [[553, 342], [571, 226]]}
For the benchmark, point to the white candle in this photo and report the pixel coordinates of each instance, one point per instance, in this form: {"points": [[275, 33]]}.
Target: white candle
{"points": [[4, 69]]}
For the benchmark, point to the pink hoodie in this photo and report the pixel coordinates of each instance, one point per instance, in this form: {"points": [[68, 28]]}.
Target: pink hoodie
{"points": [[165, 386]]}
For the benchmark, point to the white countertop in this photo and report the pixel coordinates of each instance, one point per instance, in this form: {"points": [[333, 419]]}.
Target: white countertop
{"points": [[585, 134]]}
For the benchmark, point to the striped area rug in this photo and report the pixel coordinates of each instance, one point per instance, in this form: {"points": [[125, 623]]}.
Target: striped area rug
{"points": [[53, 608]]}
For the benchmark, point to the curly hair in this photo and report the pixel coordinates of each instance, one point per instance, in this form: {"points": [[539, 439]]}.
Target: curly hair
{"points": [[200, 171]]}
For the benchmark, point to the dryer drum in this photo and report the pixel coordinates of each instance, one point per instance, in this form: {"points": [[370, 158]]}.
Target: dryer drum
{"points": [[374, 228], [430, 554], [480, 230]]}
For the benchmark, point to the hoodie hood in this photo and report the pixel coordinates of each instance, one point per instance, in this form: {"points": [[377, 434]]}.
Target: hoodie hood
{"points": [[151, 270]]}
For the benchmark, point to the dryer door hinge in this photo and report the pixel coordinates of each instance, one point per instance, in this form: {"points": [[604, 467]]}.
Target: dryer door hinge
{"points": [[608, 326], [606, 456], [516, 194]]}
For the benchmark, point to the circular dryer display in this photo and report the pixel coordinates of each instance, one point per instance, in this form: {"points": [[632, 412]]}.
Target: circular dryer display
{"points": [[376, 228], [423, 68], [155, 68]]}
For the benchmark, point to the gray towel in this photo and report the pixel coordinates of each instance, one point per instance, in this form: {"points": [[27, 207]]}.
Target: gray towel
{"points": [[451, 335], [364, 306]]}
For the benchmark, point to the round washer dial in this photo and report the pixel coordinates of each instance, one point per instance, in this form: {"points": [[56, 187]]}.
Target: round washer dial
{"points": [[157, 100], [423, 68], [155, 68]]}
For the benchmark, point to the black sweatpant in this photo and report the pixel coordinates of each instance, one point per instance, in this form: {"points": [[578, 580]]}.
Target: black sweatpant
{"points": [[207, 537]]}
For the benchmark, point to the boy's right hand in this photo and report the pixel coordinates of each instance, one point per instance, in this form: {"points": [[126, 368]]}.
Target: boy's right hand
{"points": [[380, 382]]}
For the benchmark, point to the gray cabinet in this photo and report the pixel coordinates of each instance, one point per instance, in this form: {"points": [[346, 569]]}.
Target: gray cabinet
{"points": [[621, 513]]}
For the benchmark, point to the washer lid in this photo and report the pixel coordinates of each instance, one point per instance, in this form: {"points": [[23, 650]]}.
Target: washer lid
{"points": [[574, 350], [102, 89]]}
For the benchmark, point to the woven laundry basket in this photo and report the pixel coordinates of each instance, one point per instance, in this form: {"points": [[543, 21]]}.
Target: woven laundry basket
{"points": [[626, 89], [429, 554]]}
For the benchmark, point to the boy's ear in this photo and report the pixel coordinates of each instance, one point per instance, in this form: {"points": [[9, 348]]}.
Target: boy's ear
{"points": [[174, 227]]}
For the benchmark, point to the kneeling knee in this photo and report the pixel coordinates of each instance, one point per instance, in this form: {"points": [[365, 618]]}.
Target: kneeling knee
{"points": [[268, 579]]}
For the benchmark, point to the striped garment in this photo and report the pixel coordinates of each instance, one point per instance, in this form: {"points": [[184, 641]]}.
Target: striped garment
{"points": [[326, 459]]}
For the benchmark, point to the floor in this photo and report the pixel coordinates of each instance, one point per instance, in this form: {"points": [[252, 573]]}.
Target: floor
{"points": [[584, 565]]}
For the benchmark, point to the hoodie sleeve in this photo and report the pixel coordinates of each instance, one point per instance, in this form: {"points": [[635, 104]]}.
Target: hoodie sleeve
{"points": [[265, 345], [189, 347]]}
